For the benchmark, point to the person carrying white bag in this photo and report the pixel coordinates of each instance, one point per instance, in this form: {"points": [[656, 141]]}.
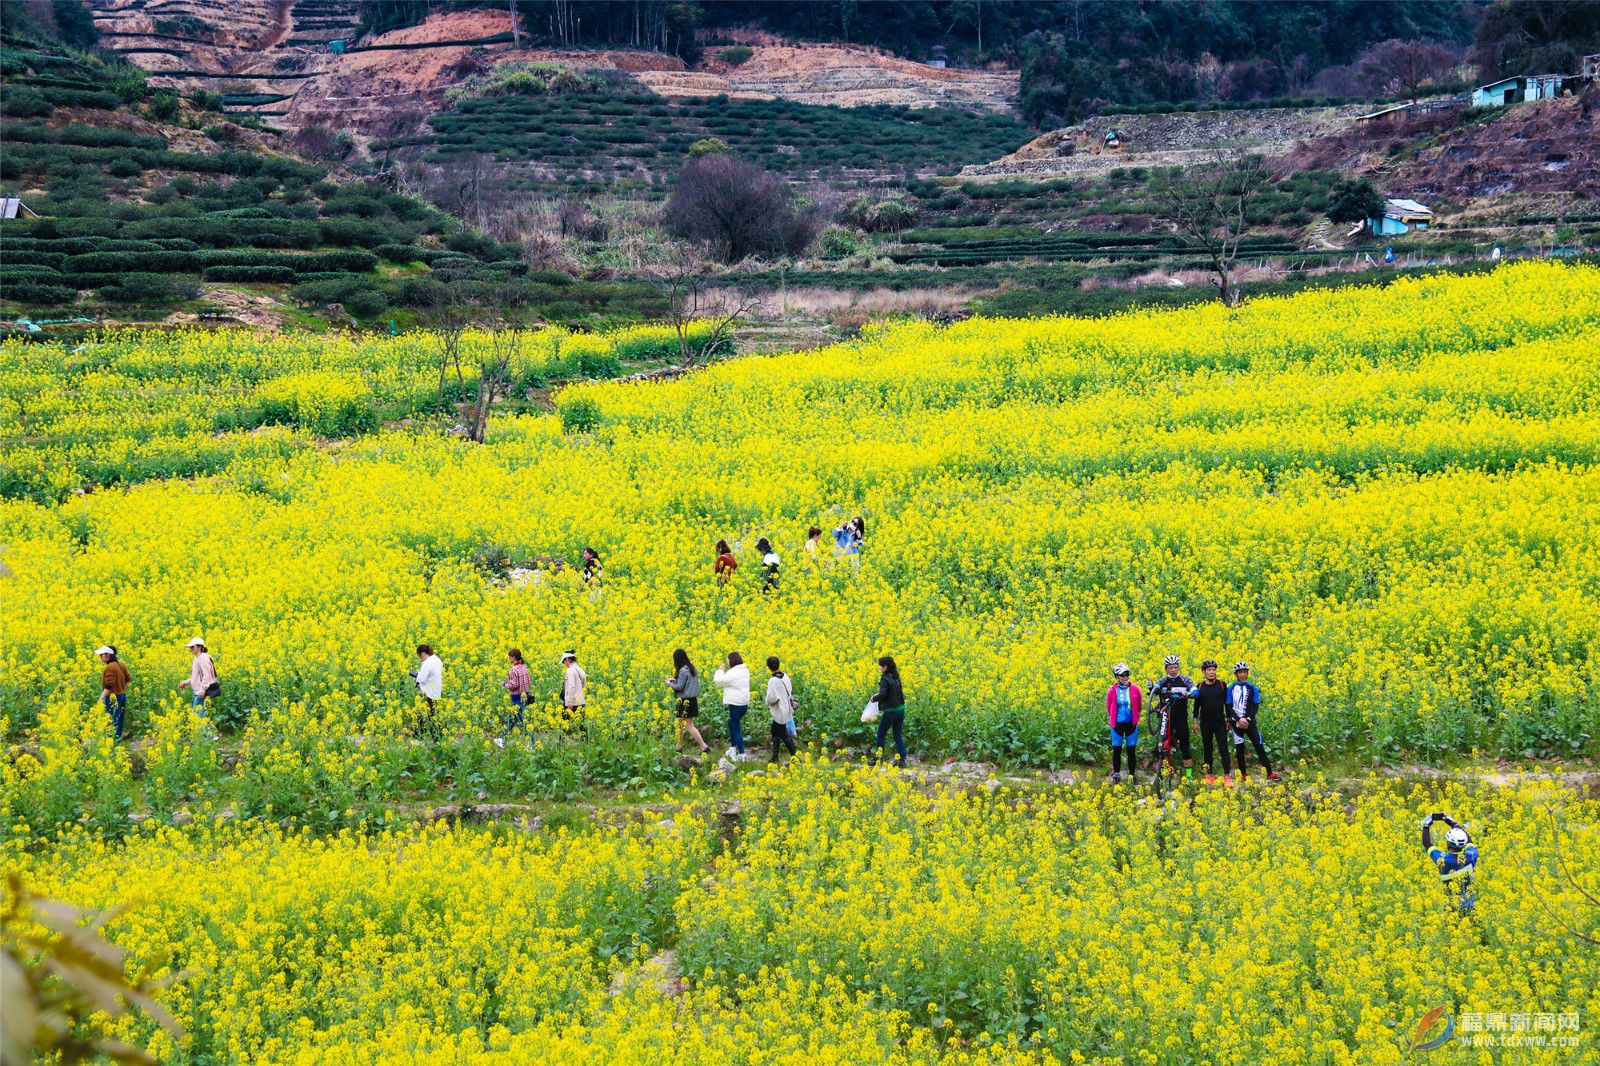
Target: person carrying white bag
{"points": [[781, 704]]}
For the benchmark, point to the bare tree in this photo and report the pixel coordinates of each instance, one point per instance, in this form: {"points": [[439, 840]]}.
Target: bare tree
{"points": [[494, 375], [691, 299], [446, 316], [1407, 66], [737, 209], [1208, 208]]}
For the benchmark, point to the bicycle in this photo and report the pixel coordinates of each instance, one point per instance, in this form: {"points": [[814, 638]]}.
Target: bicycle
{"points": [[1165, 769]]}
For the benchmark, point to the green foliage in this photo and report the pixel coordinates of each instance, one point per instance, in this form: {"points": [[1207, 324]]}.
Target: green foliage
{"points": [[836, 243], [144, 287], [709, 146], [737, 54], [162, 106], [579, 414], [609, 133], [874, 215], [1354, 199], [523, 79]]}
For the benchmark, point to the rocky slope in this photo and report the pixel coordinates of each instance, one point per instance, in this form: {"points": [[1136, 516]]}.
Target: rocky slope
{"points": [[273, 57]]}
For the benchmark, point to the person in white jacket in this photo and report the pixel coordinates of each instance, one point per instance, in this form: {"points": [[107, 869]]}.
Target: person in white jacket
{"points": [[429, 676], [781, 704], [574, 693], [734, 681]]}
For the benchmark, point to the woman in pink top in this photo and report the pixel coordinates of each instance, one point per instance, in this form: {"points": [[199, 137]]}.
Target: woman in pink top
{"points": [[517, 684], [202, 681]]}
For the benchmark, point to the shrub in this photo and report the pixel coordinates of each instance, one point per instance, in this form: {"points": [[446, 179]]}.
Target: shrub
{"points": [[366, 304], [1352, 200], [163, 105], [397, 253], [22, 102], [709, 146], [28, 292], [738, 209], [142, 287], [335, 290], [837, 243], [579, 414], [889, 215], [248, 273], [736, 54]]}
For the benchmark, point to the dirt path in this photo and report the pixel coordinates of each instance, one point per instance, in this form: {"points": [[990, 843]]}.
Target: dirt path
{"points": [[282, 25]]}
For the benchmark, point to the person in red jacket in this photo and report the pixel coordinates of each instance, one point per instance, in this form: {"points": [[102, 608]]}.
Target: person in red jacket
{"points": [[1124, 703]]}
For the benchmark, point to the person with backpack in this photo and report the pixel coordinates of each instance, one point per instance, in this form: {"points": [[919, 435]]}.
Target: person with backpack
{"points": [[1211, 712], [202, 683], [517, 685], [891, 700], [114, 679], [780, 704], [1124, 705], [685, 685], [1244, 708], [734, 681], [726, 564], [769, 565]]}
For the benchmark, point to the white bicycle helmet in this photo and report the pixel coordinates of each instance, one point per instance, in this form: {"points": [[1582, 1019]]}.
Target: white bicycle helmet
{"points": [[1121, 670], [1240, 666], [1171, 660], [1457, 838]]}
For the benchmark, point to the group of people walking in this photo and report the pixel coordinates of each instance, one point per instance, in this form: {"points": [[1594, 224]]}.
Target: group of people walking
{"points": [[848, 538], [1226, 715], [732, 679]]}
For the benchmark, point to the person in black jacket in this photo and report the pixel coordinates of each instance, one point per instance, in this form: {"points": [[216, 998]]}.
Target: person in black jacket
{"points": [[1174, 689], [1211, 708], [891, 710]]}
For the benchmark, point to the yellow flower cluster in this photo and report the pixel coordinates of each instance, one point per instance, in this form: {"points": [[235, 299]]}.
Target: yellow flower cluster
{"points": [[854, 916], [1385, 500], [132, 404]]}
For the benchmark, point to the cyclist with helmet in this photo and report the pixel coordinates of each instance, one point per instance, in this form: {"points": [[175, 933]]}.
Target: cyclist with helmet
{"points": [[1174, 690], [1211, 708], [1124, 703], [1244, 706], [1457, 860]]}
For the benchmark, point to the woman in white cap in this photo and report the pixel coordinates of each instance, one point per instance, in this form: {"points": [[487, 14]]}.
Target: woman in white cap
{"points": [[574, 695], [202, 682], [114, 680]]}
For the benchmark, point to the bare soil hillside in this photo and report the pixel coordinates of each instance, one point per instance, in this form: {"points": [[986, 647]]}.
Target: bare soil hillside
{"points": [[1548, 147], [841, 75], [273, 56], [1165, 140]]}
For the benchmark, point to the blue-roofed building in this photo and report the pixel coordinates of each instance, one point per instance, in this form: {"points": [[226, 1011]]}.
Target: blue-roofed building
{"points": [[1522, 89], [1400, 216]]}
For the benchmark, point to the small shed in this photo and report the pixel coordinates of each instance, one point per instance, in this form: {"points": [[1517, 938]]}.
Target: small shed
{"points": [[13, 207], [1519, 90], [1400, 216]]}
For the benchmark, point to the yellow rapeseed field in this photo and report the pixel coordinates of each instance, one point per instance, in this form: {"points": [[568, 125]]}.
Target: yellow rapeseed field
{"points": [[854, 917], [1385, 500]]}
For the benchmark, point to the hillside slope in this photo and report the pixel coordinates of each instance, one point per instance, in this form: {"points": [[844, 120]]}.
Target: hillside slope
{"points": [[1549, 147], [146, 207], [273, 57]]}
